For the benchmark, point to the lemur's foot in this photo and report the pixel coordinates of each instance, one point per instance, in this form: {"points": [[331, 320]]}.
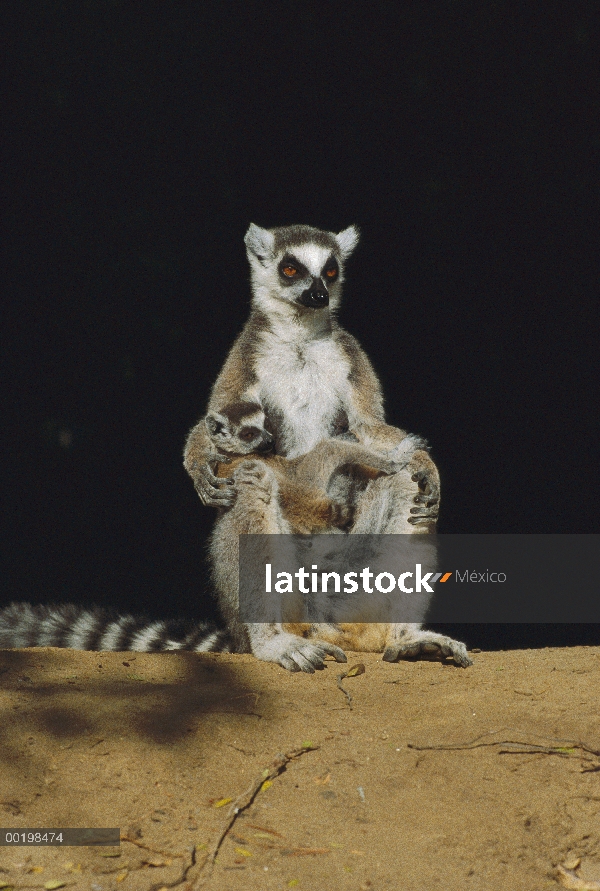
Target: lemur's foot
{"points": [[427, 643], [428, 482], [259, 477], [295, 653]]}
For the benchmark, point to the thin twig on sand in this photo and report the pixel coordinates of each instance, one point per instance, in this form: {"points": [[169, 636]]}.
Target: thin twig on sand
{"points": [[551, 745], [198, 870]]}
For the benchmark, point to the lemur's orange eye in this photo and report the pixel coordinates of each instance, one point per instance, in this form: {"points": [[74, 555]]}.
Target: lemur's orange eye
{"points": [[331, 272], [290, 271]]}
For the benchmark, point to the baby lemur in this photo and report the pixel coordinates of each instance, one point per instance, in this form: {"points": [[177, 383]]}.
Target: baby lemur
{"points": [[239, 432]]}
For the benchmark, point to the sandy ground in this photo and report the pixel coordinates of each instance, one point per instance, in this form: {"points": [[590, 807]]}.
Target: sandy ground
{"points": [[435, 778]]}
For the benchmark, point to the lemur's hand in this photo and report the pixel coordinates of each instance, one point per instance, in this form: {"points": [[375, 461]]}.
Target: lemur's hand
{"points": [[201, 462], [425, 474], [293, 652], [213, 491]]}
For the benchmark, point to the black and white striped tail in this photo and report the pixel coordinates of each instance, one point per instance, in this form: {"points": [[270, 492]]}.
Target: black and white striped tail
{"points": [[68, 625]]}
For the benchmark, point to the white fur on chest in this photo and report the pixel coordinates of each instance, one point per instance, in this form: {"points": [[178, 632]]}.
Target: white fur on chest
{"points": [[305, 384]]}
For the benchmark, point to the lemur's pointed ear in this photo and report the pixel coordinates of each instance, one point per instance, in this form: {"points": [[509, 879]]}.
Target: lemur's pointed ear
{"points": [[214, 423], [259, 242], [347, 240]]}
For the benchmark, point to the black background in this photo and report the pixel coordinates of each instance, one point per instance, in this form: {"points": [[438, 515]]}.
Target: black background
{"points": [[140, 142]]}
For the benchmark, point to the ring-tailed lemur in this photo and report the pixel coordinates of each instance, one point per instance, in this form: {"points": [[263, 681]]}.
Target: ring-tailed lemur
{"points": [[304, 371]]}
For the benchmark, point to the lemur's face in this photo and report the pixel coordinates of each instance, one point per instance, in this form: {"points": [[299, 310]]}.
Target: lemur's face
{"points": [[307, 273], [298, 266], [239, 429]]}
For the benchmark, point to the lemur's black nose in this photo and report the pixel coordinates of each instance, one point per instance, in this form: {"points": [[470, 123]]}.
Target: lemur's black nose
{"points": [[267, 445], [316, 296]]}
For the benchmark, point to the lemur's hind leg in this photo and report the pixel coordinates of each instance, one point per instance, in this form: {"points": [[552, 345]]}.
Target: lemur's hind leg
{"points": [[385, 506], [407, 502], [335, 455], [257, 511], [388, 506]]}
